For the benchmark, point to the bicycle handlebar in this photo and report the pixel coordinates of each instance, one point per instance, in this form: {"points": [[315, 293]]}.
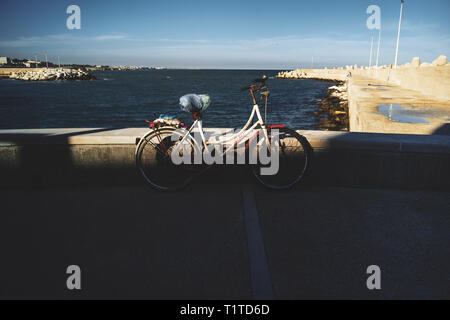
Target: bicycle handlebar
{"points": [[261, 80], [254, 87]]}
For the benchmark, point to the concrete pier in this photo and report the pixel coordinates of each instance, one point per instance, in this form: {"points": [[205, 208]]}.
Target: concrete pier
{"points": [[427, 79], [378, 106], [413, 98]]}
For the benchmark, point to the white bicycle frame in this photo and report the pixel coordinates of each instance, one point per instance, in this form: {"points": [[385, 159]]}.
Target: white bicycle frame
{"points": [[234, 139]]}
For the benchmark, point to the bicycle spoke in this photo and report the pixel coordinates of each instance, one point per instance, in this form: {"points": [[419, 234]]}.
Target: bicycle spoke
{"points": [[163, 154], [154, 145]]}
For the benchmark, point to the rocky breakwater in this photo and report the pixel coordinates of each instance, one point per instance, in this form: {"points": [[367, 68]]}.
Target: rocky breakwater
{"points": [[335, 74], [52, 75], [333, 109], [294, 74]]}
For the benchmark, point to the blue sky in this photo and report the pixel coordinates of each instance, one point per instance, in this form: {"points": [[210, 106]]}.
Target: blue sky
{"points": [[261, 34]]}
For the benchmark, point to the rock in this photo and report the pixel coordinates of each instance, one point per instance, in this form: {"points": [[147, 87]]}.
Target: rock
{"points": [[425, 64], [415, 62], [440, 61]]}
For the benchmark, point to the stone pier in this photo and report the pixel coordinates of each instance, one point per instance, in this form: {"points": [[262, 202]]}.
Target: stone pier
{"points": [[412, 98]]}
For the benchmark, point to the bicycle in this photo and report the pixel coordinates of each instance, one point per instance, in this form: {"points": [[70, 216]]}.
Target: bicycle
{"points": [[168, 138]]}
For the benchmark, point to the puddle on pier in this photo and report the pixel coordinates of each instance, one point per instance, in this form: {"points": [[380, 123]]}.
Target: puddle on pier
{"points": [[399, 113], [377, 87]]}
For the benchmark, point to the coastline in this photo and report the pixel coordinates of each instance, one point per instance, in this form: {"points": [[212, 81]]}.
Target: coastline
{"points": [[333, 112]]}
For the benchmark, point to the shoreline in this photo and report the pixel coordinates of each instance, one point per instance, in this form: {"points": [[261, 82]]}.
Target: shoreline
{"points": [[333, 112]]}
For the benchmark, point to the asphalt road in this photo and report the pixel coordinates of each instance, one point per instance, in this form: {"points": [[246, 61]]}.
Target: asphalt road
{"points": [[224, 241]]}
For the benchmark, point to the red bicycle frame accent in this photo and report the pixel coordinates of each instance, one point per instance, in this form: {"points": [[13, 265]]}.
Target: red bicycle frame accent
{"points": [[274, 126]]}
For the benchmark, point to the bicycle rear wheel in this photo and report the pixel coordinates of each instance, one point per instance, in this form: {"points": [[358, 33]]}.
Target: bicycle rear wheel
{"points": [[294, 154], [153, 159]]}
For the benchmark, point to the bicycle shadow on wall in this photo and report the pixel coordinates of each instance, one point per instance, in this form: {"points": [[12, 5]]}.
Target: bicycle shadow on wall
{"points": [[443, 130], [37, 160]]}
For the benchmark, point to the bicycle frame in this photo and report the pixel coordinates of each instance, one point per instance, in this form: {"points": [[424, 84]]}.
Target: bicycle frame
{"points": [[245, 132], [184, 137]]}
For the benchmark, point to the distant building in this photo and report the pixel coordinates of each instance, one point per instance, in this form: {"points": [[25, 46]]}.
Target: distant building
{"points": [[4, 60]]}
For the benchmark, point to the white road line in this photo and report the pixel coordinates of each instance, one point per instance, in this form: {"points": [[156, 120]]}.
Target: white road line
{"points": [[259, 270]]}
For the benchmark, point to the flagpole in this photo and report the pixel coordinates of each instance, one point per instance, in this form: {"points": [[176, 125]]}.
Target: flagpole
{"points": [[371, 49], [398, 34], [379, 40]]}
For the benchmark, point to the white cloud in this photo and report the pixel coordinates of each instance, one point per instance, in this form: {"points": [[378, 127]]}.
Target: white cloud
{"points": [[282, 51], [61, 39], [107, 37]]}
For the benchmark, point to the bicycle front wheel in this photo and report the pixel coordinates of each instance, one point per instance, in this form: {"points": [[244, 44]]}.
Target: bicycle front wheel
{"points": [[154, 159], [294, 155]]}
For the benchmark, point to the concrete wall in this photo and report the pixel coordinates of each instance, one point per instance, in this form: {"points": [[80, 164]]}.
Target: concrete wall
{"points": [[98, 156], [356, 118]]}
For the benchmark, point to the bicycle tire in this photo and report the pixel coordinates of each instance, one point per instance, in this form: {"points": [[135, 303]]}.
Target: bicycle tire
{"points": [[155, 164], [295, 158]]}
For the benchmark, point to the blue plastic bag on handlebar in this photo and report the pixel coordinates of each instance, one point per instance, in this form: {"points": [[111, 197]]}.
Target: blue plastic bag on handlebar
{"points": [[194, 102]]}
